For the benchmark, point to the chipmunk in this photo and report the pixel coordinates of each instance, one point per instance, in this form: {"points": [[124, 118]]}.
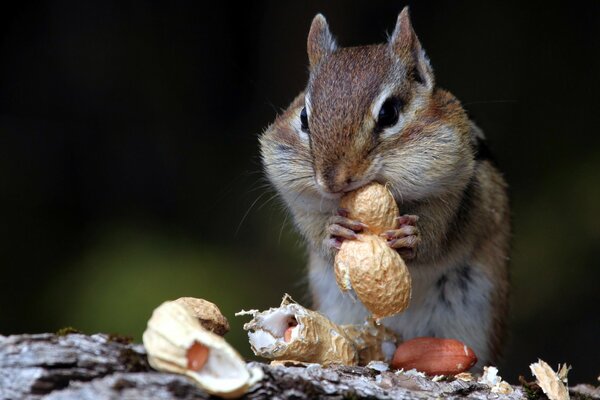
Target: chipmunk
{"points": [[374, 113]]}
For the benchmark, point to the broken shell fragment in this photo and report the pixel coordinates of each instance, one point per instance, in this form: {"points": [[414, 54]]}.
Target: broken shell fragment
{"points": [[292, 332], [549, 381], [377, 274], [207, 313], [177, 342], [373, 205], [373, 342], [491, 378]]}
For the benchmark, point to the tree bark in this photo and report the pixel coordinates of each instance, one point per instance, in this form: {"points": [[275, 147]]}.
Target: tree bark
{"points": [[77, 366]]}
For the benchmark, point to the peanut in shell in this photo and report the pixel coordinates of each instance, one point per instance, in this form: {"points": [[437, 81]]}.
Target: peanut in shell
{"points": [[367, 265], [373, 205], [376, 273]]}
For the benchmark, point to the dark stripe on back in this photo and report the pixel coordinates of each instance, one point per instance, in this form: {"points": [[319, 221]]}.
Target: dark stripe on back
{"points": [[483, 152], [461, 217]]}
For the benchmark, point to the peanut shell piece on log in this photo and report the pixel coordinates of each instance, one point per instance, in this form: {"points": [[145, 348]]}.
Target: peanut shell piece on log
{"points": [[376, 273], [207, 313], [549, 381], [177, 342], [312, 338], [373, 342]]}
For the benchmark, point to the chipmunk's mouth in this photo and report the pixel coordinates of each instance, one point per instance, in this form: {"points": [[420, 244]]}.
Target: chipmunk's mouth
{"points": [[333, 185], [331, 195], [355, 185], [352, 186]]}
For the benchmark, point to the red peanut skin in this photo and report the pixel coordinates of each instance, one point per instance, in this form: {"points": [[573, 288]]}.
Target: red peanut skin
{"points": [[197, 356], [434, 356], [287, 335]]}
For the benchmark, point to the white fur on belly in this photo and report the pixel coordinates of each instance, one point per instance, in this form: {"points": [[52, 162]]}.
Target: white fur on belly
{"points": [[446, 308]]}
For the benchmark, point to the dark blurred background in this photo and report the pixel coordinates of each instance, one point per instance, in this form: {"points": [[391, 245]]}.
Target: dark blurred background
{"points": [[130, 172]]}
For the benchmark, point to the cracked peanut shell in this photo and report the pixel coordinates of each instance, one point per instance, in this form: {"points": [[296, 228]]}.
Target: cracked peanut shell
{"points": [[207, 313], [373, 342], [292, 332], [176, 342]]}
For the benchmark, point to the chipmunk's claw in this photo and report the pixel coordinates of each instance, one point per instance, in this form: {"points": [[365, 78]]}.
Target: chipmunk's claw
{"points": [[342, 228], [407, 219], [333, 243], [405, 238]]}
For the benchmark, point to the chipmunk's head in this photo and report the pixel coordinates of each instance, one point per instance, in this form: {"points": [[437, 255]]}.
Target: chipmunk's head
{"points": [[362, 102], [370, 113]]}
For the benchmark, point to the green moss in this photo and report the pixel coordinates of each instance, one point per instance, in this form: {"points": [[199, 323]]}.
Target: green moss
{"points": [[67, 330], [117, 338], [531, 389], [581, 396]]}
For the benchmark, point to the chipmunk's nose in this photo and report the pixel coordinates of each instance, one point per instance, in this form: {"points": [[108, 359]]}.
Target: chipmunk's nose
{"points": [[334, 179]]}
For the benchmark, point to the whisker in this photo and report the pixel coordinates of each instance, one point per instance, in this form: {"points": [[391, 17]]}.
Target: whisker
{"points": [[282, 226], [265, 185], [489, 102], [287, 162], [298, 178], [250, 173], [266, 202], [248, 212], [300, 193]]}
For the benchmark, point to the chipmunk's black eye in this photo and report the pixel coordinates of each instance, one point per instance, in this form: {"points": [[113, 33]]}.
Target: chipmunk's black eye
{"points": [[304, 120], [389, 113]]}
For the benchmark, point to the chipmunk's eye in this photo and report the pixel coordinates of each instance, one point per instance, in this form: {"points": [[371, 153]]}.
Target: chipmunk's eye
{"points": [[389, 112], [304, 120]]}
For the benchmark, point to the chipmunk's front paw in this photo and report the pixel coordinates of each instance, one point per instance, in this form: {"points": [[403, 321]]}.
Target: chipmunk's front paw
{"points": [[340, 228], [405, 238]]}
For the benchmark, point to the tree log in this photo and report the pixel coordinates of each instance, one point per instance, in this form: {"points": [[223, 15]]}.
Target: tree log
{"points": [[77, 366]]}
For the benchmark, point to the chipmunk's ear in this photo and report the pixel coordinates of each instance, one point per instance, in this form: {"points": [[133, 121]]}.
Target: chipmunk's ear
{"points": [[405, 44], [320, 42]]}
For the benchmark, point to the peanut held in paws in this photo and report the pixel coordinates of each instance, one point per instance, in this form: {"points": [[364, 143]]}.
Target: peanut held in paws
{"points": [[373, 205], [375, 272]]}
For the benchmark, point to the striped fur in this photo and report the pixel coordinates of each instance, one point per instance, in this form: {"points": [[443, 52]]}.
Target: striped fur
{"points": [[435, 161]]}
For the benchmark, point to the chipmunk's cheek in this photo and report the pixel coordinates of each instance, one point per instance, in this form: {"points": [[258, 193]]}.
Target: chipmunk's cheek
{"points": [[412, 132]]}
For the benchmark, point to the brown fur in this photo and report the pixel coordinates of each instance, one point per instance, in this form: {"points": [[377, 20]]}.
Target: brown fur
{"points": [[431, 164]]}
